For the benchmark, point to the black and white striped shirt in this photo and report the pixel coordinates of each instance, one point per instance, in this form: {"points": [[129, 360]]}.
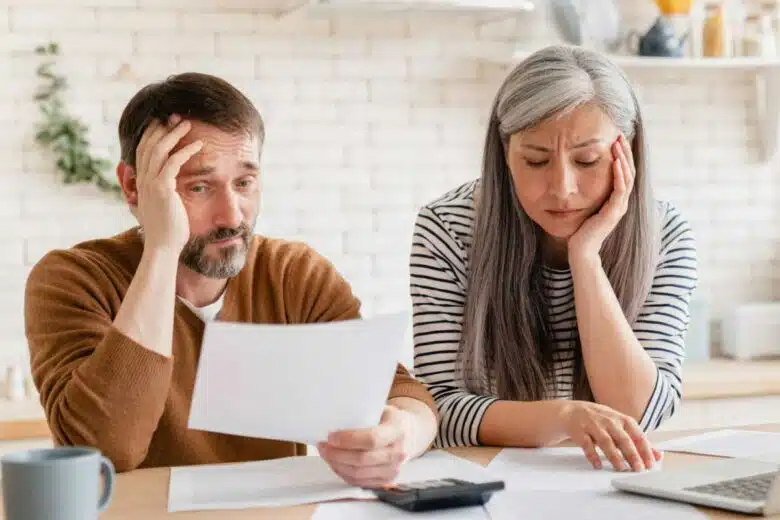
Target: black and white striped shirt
{"points": [[438, 268]]}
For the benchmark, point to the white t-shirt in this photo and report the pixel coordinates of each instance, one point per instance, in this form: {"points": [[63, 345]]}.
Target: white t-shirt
{"points": [[208, 312]]}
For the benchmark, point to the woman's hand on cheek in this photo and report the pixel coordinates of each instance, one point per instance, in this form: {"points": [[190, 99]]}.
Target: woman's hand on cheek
{"points": [[588, 239]]}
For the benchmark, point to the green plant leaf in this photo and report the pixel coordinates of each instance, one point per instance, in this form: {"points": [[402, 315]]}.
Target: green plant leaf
{"points": [[63, 134]]}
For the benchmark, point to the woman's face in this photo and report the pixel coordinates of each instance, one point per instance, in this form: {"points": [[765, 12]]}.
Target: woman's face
{"points": [[562, 169]]}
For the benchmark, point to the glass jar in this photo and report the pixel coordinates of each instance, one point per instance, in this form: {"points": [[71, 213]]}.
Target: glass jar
{"points": [[714, 32], [759, 38], [771, 9], [767, 37], [751, 37], [717, 27]]}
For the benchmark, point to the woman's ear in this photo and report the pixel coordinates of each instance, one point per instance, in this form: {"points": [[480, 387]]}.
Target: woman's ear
{"points": [[125, 175]]}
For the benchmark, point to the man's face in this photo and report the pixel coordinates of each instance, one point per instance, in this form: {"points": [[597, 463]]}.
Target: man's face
{"points": [[220, 189]]}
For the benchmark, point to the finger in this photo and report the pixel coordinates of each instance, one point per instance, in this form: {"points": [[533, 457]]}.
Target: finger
{"points": [[153, 133], [173, 120], [589, 447], [174, 163], [626, 148], [619, 179], [145, 166], [641, 442], [627, 163], [626, 446], [376, 483], [604, 441], [346, 478], [658, 455], [390, 455], [385, 434], [162, 148], [150, 128], [360, 475], [612, 204]]}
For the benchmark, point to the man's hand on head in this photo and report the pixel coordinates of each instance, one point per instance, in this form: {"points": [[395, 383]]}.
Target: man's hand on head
{"points": [[161, 212]]}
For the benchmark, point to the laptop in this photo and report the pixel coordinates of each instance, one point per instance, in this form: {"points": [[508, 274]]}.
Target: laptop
{"points": [[739, 485]]}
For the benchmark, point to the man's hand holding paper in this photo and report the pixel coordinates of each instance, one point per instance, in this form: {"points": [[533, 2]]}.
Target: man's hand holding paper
{"points": [[327, 385]]}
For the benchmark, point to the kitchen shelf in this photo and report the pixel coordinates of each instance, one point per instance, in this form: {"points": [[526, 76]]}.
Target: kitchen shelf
{"points": [[766, 73], [497, 8], [643, 62]]}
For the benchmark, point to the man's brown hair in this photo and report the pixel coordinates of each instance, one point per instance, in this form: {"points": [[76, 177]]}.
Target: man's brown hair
{"points": [[192, 95]]}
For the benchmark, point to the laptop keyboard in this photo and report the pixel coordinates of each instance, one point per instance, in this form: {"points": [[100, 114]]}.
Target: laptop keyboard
{"points": [[753, 488]]}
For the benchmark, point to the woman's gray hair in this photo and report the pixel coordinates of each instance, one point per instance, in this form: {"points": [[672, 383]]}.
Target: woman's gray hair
{"points": [[506, 342]]}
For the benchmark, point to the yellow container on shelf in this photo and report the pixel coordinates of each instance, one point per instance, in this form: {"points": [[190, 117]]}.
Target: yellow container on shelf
{"points": [[713, 34], [674, 7]]}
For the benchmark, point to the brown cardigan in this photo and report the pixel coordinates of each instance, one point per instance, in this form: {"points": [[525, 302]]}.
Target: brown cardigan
{"points": [[100, 388]]}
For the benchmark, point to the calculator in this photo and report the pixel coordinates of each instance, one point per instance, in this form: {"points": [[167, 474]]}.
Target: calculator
{"points": [[429, 495]]}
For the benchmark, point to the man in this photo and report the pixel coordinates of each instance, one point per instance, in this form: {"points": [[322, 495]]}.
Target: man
{"points": [[114, 325]]}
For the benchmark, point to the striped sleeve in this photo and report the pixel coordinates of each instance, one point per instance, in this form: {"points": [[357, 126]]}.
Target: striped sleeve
{"points": [[437, 286], [663, 321]]}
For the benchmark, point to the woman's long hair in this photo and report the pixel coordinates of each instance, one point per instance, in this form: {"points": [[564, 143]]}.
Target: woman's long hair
{"points": [[506, 342]]}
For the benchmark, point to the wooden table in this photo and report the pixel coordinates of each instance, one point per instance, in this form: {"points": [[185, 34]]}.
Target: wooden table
{"points": [[144, 493]]}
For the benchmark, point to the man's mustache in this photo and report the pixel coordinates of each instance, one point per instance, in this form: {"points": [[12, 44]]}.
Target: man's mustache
{"points": [[225, 233]]}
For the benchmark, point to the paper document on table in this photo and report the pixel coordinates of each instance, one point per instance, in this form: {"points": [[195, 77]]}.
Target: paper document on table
{"points": [[516, 503], [380, 510], [293, 481], [273, 483], [561, 483], [296, 382], [440, 464], [728, 443], [553, 469]]}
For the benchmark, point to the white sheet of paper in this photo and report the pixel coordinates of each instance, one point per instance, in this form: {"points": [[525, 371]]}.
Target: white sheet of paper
{"points": [[273, 483], [561, 483], [440, 464], [293, 481], [296, 382], [382, 511], [728, 443], [523, 504], [552, 469]]}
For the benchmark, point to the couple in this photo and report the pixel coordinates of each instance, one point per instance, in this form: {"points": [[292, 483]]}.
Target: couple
{"points": [[550, 295]]}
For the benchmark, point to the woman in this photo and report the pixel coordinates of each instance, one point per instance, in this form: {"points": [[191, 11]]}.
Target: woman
{"points": [[551, 295]]}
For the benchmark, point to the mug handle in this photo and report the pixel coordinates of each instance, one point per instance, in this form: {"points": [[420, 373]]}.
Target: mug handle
{"points": [[108, 472]]}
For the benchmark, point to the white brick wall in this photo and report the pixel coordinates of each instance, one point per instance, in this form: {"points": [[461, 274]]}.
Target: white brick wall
{"points": [[367, 119]]}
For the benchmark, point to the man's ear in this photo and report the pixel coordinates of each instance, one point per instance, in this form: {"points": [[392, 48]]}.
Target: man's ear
{"points": [[125, 175]]}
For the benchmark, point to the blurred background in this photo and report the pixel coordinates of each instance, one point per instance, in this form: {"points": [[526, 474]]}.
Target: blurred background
{"points": [[374, 108]]}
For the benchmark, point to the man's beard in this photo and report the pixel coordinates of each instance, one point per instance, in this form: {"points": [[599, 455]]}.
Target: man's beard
{"points": [[230, 259]]}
